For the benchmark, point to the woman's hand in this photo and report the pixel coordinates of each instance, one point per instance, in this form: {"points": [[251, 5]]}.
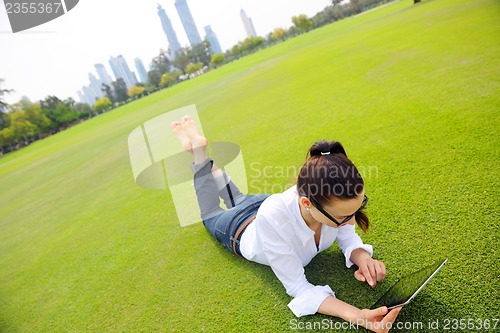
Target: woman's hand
{"points": [[369, 269], [379, 320]]}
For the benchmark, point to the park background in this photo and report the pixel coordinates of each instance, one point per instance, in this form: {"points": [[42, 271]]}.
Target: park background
{"points": [[409, 89]]}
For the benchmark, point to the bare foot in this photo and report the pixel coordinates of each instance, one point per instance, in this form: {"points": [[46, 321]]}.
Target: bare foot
{"points": [[195, 138], [181, 135], [186, 133]]}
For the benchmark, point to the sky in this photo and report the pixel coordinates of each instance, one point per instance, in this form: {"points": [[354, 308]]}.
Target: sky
{"points": [[56, 58]]}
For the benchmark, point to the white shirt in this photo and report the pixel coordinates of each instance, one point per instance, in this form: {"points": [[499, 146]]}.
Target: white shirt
{"points": [[280, 238]]}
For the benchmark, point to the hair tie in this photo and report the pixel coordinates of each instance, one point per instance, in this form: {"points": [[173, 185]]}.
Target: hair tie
{"points": [[327, 153]]}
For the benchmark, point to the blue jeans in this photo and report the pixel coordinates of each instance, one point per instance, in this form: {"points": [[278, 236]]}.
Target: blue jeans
{"points": [[223, 224]]}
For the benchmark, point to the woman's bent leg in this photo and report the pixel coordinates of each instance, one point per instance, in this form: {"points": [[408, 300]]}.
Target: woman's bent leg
{"points": [[228, 191], [207, 192], [212, 183]]}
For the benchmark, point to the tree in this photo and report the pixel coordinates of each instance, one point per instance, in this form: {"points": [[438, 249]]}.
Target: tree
{"points": [[61, 116], [108, 92], [102, 103], [21, 127], [84, 110], [2, 93], [166, 79], [120, 88], [302, 22], [4, 120], [50, 102], [161, 63], [154, 78], [34, 115], [217, 59], [191, 68], [336, 2], [356, 6], [246, 46], [26, 123], [328, 15], [66, 114], [278, 33], [69, 102], [181, 59], [6, 139], [135, 91], [235, 50], [200, 53], [252, 42]]}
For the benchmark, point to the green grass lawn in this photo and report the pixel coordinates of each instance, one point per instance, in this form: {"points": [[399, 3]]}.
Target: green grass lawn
{"points": [[412, 91]]}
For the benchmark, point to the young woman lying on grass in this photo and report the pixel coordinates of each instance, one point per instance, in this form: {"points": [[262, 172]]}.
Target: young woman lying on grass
{"points": [[285, 231]]}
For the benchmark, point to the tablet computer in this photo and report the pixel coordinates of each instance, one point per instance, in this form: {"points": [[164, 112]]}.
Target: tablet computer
{"points": [[403, 291]]}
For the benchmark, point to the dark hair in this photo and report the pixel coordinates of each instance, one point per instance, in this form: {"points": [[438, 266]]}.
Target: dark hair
{"points": [[329, 173]]}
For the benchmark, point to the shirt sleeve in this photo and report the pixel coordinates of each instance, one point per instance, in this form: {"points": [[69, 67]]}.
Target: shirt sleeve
{"points": [[287, 266], [348, 241]]}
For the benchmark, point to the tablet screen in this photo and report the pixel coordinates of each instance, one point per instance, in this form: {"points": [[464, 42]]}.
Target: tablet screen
{"points": [[408, 286]]}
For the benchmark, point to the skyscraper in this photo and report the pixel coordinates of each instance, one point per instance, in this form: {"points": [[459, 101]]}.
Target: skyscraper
{"points": [[115, 67], [89, 95], [247, 22], [121, 70], [188, 22], [211, 37], [103, 74], [173, 43], [84, 98], [95, 86], [143, 75]]}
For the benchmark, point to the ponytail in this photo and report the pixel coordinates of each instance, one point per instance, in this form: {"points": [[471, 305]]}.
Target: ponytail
{"points": [[322, 148]]}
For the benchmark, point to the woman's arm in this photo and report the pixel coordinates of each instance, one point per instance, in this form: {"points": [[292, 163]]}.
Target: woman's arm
{"points": [[379, 320]]}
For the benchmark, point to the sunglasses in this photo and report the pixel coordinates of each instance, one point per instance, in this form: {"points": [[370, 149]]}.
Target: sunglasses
{"points": [[346, 219]]}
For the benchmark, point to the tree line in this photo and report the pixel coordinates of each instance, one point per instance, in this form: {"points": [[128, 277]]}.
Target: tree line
{"points": [[26, 121], [338, 11]]}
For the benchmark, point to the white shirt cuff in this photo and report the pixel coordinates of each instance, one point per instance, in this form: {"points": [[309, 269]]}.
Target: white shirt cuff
{"points": [[348, 252], [308, 302]]}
